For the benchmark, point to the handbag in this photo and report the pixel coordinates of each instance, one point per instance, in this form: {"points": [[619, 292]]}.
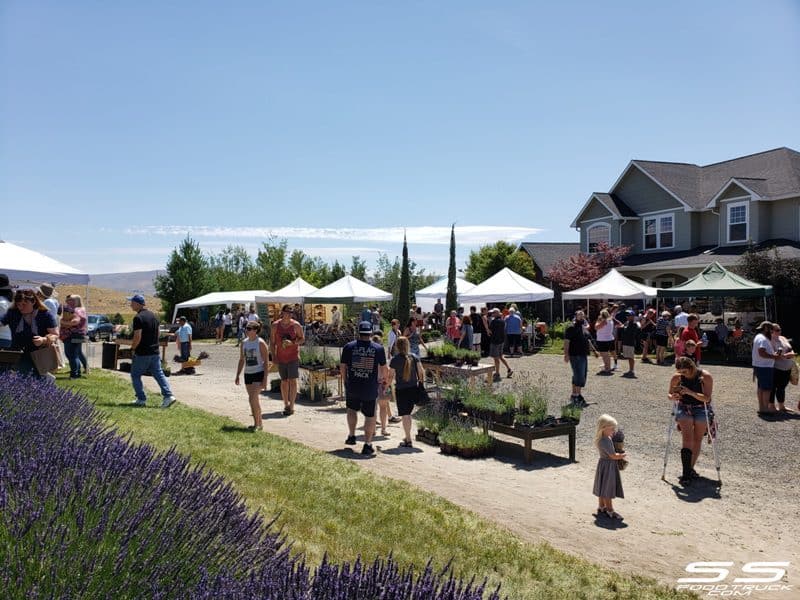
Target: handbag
{"points": [[422, 394], [794, 374], [45, 360]]}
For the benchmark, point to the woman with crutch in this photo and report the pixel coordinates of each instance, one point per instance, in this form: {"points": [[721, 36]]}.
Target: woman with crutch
{"points": [[691, 388]]}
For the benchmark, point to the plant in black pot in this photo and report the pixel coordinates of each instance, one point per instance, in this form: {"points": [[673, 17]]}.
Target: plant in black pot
{"points": [[461, 439], [431, 420]]}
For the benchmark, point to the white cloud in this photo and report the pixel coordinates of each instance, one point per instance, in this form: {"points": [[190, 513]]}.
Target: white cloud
{"points": [[465, 235]]}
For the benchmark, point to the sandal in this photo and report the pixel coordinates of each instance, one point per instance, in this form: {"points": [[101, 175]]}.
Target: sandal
{"points": [[384, 433], [601, 512], [614, 515], [406, 444]]}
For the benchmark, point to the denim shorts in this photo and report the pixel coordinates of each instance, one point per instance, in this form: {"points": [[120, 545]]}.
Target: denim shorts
{"points": [[580, 365], [764, 377], [697, 412]]}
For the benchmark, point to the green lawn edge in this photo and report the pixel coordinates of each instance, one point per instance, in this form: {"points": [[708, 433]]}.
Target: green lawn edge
{"points": [[326, 504]]}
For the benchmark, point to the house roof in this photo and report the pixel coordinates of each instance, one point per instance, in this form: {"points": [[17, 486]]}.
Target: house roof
{"points": [[771, 174], [727, 256], [615, 205], [546, 254]]}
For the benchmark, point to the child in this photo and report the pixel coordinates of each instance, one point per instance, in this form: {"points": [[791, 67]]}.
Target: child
{"points": [[384, 396], [689, 350], [607, 481]]}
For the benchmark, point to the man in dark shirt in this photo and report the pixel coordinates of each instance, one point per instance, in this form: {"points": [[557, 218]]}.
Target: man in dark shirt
{"points": [[363, 367], [576, 353], [629, 336], [144, 347], [497, 335]]}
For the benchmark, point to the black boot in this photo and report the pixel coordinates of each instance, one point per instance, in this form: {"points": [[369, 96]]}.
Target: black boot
{"points": [[686, 462]]}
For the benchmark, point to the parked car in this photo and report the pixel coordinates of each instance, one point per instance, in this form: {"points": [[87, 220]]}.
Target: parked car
{"points": [[99, 328]]}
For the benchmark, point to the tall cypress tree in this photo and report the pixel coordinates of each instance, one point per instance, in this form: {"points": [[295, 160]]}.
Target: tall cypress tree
{"points": [[403, 296], [452, 295]]}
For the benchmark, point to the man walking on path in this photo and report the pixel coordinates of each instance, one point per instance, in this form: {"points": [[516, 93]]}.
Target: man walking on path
{"points": [[144, 348], [363, 368], [576, 353], [497, 333], [287, 336], [630, 337], [514, 332], [184, 335]]}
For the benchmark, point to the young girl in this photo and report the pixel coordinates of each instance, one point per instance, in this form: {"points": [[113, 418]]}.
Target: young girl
{"points": [[607, 481], [254, 357], [384, 396]]}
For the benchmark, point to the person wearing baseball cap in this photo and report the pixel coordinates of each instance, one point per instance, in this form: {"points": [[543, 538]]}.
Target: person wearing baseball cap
{"points": [[287, 336], [144, 347], [363, 368]]}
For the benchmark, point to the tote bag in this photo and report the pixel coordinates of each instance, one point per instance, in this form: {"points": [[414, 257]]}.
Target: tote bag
{"points": [[45, 360]]}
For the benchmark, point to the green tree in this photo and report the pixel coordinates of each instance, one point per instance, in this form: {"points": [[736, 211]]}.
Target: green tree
{"points": [[493, 258], [451, 303], [232, 269], [403, 295], [271, 267], [337, 271], [187, 276], [359, 268], [311, 268]]}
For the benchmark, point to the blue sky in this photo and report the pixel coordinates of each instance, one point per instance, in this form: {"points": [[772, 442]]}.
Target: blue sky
{"points": [[339, 124]]}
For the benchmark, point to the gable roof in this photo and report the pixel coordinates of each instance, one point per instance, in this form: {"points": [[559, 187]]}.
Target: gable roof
{"points": [[771, 174], [616, 207], [546, 254]]}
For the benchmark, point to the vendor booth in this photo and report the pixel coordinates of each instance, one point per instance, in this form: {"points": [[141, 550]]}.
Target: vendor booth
{"points": [[23, 265], [611, 286], [427, 296], [503, 287], [244, 297]]}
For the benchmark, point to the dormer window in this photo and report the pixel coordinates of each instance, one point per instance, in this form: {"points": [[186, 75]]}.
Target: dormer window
{"points": [[597, 234], [659, 232], [738, 222]]}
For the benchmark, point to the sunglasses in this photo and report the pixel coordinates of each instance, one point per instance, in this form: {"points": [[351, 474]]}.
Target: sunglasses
{"points": [[251, 328], [24, 298]]}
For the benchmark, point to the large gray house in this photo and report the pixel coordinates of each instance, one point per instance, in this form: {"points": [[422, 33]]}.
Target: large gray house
{"points": [[680, 217]]}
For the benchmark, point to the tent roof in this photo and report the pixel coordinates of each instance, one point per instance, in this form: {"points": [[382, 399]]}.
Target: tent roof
{"points": [[21, 264], [439, 288], [349, 289], [226, 298], [294, 292], [716, 281], [612, 285], [506, 286]]}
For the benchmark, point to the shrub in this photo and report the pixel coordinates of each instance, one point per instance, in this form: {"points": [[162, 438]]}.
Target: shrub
{"points": [[85, 513]]}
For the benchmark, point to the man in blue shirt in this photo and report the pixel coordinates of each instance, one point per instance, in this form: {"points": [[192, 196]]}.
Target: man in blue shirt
{"points": [[184, 336], [363, 367], [514, 332]]}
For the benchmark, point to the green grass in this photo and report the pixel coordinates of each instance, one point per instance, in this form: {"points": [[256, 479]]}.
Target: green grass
{"points": [[327, 504]]}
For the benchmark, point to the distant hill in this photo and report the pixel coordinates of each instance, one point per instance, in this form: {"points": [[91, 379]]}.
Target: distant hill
{"points": [[107, 301], [136, 281]]}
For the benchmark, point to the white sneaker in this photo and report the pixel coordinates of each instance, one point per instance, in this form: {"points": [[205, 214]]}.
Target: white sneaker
{"points": [[168, 401]]}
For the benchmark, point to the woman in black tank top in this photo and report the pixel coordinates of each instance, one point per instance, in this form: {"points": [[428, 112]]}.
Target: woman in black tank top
{"points": [[691, 388]]}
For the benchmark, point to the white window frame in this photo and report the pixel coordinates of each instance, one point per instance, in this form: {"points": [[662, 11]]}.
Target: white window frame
{"points": [[607, 226], [728, 223], [657, 218]]}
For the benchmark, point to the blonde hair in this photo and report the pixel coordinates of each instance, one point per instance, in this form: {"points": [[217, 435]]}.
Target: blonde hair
{"points": [[402, 347], [75, 298], [603, 421]]}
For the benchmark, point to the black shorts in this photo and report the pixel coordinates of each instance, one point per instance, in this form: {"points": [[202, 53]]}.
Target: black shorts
{"points": [[661, 340], [254, 378], [405, 400], [514, 340], [367, 407], [606, 346]]}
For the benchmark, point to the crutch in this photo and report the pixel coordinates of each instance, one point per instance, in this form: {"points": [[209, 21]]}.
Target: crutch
{"points": [[713, 438], [670, 427]]}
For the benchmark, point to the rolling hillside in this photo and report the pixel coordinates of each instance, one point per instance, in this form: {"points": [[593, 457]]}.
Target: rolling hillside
{"points": [[106, 301]]}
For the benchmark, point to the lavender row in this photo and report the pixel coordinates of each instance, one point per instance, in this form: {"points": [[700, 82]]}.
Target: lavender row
{"points": [[86, 513]]}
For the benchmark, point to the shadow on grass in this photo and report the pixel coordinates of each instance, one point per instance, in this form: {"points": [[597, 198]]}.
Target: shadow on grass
{"points": [[701, 488], [236, 429]]}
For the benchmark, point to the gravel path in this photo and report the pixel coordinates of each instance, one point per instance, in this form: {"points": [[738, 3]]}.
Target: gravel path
{"points": [[751, 517]]}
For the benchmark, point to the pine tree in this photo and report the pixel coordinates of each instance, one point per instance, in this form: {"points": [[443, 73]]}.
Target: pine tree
{"points": [[187, 276], [403, 296], [452, 295]]}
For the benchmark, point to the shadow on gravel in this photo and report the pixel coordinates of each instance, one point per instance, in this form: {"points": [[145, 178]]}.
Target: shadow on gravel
{"points": [[513, 454], [352, 453], [700, 489], [278, 414], [605, 522], [399, 451]]}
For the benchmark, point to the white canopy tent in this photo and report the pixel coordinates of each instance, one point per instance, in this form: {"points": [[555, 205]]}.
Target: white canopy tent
{"points": [[23, 265], [427, 296], [506, 286], [612, 285], [226, 298], [294, 292], [348, 289]]}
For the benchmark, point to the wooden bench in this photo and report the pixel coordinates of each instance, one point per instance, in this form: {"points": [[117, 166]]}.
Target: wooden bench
{"points": [[445, 372], [528, 434]]}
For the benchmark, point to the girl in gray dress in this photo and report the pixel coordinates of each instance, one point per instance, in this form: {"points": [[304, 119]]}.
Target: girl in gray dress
{"points": [[607, 481]]}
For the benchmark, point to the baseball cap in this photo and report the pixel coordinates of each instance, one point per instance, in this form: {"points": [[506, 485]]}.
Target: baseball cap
{"points": [[181, 318], [287, 308], [138, 298], [365, 327]]}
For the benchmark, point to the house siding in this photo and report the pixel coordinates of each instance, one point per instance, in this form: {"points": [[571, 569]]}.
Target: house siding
{"points": [[733, 191], [681, 227], [595, 210], [705, 229], [785, 219], [642, 194]]}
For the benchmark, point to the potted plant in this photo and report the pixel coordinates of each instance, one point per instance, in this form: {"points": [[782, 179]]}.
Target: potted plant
{"points": [[472, 357], [461, 439], [431, 420], [571, 414]]}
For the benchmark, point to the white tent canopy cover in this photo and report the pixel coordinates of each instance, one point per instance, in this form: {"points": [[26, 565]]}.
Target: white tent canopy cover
{"points": [[21, 264], [611, 285], [226, 298], [439, 288], [294, 292], [349, 289], [506, 286]]}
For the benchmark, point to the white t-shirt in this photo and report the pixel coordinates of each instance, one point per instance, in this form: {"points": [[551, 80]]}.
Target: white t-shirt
{"points": [[253, 361], [227, 319], [762, 341], [252, 317], [681, 320], [605, 333]]}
